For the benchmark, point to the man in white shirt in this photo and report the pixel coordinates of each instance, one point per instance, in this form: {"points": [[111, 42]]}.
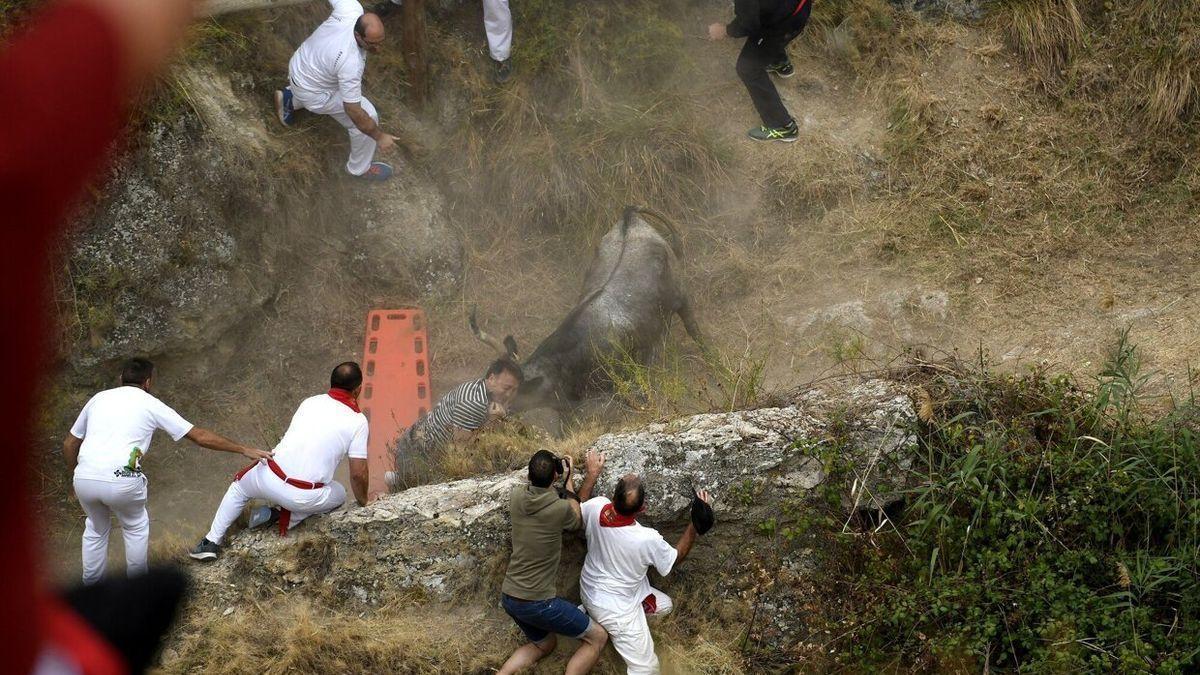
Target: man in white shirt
{"points": [[497, 23], [614, 584], [104, 451], [325, 76], [299, 478]]}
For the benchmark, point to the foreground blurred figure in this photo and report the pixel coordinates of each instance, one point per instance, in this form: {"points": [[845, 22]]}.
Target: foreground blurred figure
{"points": [[51, 145]]}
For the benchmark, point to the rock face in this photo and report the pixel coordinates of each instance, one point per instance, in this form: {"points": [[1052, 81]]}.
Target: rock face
{"points": [[451, 541], [211, 217]]}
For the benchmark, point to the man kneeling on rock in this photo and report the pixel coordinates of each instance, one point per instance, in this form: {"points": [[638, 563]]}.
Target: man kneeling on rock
{"points": [[299, 480], [539, 516], [615, 589]]}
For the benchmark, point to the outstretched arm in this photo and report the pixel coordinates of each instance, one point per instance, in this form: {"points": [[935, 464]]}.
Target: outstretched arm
{"points": [[689, 535], [364, 123], [358, 480], [594, 462], [214, 441]]}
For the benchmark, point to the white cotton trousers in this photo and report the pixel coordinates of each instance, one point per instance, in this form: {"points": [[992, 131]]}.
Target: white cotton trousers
{"points": [[497, 23], [362, 146], [124, 498], [261, 483], [629, 632]]}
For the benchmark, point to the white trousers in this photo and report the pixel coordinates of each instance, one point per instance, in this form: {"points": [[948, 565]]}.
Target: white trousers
{"points": [[497, 23], [362, 146], [261, 483], [629, 632], [101, 500]]}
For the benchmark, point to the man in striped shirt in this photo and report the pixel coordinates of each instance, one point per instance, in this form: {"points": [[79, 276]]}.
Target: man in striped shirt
{"points": [[457, 418]]}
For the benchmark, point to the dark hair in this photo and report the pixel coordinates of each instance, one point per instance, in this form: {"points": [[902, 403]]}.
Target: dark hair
{"points": [[505, 365], [542, 467], [136, 371], [359, 28], [346, 376], [629, 496]]}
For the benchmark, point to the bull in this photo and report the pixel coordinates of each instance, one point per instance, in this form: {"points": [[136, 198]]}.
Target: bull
{"points": [[631, 292]]}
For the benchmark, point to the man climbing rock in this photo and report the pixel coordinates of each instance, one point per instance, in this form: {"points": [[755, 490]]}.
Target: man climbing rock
{"points": [[768, 26], [615, 589], [104, 451], [539, 514], [497, 23], [325, 76], [457, 418], [298, 481]]}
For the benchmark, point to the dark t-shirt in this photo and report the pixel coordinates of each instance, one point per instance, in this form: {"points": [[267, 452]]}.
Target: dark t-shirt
{"points": [[539, 517]]}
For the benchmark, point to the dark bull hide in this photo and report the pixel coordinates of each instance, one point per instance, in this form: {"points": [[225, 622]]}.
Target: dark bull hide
{"points": [[631, 291]]}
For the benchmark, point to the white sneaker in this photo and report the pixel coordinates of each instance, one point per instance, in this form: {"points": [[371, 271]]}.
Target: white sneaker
{"points": [[260, 516]]}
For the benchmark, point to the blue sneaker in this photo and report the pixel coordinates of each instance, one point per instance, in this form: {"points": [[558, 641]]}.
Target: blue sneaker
{"points": [[379, 171], [283, 106]]}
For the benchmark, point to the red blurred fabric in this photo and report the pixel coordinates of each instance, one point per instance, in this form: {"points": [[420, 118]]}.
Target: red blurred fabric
{"points": [[61, 83]]}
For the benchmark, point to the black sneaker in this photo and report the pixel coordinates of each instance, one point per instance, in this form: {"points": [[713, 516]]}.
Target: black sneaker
{"points": [[782, 69], [503, 71], [787, 134], [205, 550], [384, 7]]}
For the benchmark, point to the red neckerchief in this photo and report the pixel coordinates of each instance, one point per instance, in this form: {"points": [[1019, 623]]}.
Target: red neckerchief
{"points": [[610, 518], [343, 396]]}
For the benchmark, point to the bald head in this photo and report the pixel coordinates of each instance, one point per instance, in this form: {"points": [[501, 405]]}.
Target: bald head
{"points": [[346, 376], [629, 496], [368, 31]]}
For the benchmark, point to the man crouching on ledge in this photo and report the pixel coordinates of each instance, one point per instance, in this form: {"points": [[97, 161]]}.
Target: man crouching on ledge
{"points": [[299, 480], [539, 516]]}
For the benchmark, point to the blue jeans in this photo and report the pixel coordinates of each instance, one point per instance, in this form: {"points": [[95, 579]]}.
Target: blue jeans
{"points": [[539, 618]]}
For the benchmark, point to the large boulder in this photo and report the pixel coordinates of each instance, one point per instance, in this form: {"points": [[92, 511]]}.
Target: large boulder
{"points": [[450, 542]]}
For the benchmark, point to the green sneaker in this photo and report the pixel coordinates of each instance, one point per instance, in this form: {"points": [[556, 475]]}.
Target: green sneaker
{"points": [[782, 69], [787, 134]]}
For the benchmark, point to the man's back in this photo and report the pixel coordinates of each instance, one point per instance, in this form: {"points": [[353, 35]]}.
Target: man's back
{"points": [[116, 426], [330, 59], [538, 517], [620, 551], [322, 432]]}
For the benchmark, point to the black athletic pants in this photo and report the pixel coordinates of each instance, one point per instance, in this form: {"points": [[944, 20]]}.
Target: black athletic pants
{"points": [[764, 50]]}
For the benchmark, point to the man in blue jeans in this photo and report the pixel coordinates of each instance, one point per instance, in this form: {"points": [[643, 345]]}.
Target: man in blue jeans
{"points": [[539, 515]]}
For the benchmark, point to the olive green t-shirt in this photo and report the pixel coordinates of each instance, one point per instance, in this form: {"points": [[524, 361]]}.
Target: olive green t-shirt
{"points": [[539, 517]]}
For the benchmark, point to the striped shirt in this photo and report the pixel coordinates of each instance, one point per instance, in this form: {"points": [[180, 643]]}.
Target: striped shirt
{"points": [[464, 407]]}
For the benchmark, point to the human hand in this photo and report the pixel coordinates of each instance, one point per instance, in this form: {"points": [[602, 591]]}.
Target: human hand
{"points": [[717, 31], [704, 497], [256, 454], [568, 468], [496, 409], [594, 461], [386, 142]]}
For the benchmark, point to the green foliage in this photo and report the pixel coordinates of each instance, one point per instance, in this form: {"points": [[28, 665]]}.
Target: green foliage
{"points": [[1054, 529]]}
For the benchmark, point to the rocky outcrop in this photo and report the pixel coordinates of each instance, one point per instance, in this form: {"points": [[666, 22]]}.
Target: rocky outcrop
{"points": [[449, 542]]}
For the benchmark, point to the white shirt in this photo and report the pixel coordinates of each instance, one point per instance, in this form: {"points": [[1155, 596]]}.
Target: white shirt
{"points": [[322, 432], [330, 61], [116, 426], [614, 572]]}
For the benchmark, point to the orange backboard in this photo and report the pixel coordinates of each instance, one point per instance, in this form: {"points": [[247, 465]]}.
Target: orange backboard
{"points": [[396, 388]]}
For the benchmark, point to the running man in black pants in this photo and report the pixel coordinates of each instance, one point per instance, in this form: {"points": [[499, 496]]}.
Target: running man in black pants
{"points": [[768, 26]]}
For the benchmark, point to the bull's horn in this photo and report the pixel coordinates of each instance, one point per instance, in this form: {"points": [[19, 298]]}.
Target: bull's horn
{"points": [[484, 337]]}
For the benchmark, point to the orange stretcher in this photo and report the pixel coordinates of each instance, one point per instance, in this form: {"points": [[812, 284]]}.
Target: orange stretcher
{"points": [[396, 388]]}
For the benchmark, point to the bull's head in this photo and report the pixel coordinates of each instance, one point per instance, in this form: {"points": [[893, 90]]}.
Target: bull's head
{"points": [[540, 388]]}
